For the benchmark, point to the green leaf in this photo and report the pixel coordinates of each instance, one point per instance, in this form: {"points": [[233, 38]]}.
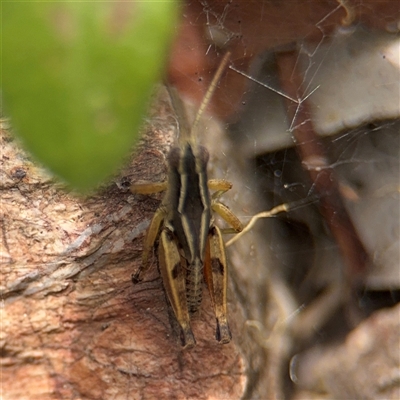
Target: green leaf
{"points": [[77, 76]]}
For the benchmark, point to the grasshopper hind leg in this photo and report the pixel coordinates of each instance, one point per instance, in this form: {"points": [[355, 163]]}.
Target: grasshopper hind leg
{"points": [[223, 333], [215, 272], [173, 272], [149, 242]]}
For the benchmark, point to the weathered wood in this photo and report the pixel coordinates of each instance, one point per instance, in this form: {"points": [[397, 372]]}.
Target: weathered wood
{"points": [[73, 325]]}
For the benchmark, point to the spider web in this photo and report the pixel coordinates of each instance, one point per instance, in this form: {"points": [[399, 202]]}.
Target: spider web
{"points": [[349, 80]]}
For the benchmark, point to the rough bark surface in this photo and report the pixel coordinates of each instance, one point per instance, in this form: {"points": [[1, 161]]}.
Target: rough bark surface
{"points": [[73, 326]]}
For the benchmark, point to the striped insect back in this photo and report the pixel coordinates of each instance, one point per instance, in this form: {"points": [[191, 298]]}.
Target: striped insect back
{"points": [[191, 212], [191, 201], [190, 249]]}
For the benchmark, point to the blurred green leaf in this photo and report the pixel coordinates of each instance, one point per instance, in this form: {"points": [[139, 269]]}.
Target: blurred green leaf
{"points": [[76, 78]]}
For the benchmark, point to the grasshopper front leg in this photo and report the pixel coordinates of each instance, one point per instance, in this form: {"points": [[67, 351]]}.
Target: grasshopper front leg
{"points": [[216, 277], [173, 272]]}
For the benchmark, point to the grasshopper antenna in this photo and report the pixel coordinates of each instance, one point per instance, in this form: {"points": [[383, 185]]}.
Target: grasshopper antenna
{"points": [[185, 131], [210, 90]]}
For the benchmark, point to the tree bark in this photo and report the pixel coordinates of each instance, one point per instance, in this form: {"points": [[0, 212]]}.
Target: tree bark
{"points": [[73, 324]]}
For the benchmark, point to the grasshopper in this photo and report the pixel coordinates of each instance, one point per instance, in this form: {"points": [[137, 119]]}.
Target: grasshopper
{"points": [[190, 246]]}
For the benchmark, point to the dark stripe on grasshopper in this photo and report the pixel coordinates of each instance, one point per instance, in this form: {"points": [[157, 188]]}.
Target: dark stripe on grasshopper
{"points": [[190, 212]]}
